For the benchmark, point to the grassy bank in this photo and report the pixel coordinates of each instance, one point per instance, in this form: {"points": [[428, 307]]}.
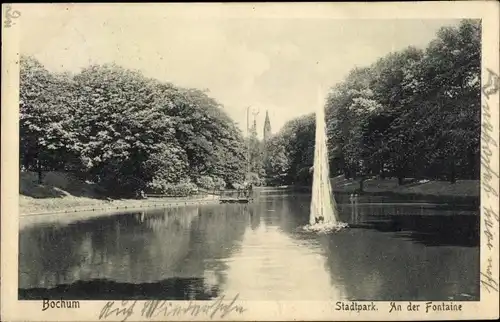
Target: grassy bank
{"points": [[461, 188], [460, 192], [32, 206], [61, 192]]}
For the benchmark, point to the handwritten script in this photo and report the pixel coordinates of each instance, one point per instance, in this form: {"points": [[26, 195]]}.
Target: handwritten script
{"points": [[488, 144], [151, 309], [9, 15]]}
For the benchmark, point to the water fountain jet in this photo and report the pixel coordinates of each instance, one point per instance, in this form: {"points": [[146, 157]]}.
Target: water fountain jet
{"points": [[323, 212]]}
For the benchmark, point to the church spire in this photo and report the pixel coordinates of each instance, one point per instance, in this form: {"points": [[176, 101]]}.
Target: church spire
{"points": [[267, 127]]}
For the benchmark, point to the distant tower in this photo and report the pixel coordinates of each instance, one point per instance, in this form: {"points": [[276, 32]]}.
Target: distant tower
{"points": [[267, 127]]}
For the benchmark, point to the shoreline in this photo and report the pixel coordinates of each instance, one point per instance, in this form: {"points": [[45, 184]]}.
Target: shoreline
{"points": [[433, 192], [113, 206], [463, 191], [65, 216]]}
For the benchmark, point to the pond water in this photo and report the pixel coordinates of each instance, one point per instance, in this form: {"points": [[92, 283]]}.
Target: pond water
{"points": [[393, 251]]}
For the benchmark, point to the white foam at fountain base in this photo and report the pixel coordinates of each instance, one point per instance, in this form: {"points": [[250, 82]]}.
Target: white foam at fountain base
{"points": [[327, 227]]}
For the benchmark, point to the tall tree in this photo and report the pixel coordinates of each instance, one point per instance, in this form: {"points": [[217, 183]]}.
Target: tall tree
{"points": [[47, 140], [123, 130], [277, 162], [413, 113]]}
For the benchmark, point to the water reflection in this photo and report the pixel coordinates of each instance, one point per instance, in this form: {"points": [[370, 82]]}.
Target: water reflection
{"points": [[393, 252], [154, 246]]}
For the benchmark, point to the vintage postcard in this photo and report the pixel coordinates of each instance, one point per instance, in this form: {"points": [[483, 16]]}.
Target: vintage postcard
{"points": [[250, 161]]}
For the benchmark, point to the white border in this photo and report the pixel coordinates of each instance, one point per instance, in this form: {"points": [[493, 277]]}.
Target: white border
{"points": [[12, 309]]}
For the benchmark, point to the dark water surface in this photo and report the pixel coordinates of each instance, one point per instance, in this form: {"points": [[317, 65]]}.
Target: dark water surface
{"points": [[391, 252]]}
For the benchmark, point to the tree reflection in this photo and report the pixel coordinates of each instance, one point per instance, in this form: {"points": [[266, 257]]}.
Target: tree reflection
{"points": [[382, 263], [40, 256], [214, 237], [133, 249], [389, 253], [376, 266]]}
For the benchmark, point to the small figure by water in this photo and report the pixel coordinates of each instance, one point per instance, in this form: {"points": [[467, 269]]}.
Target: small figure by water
{"points": [[246, 190], [240, 194], [249, 190], [141, 195], [241, 191]]}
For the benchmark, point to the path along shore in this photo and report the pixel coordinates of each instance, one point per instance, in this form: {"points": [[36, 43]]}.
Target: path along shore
{"points": [[67, 205], [53, 198]]}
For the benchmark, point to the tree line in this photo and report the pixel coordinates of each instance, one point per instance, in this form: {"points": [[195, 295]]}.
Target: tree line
{"points": [[413, 113], [124, 131]]}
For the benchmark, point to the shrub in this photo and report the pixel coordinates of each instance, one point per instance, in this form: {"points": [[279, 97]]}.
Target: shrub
{"points": [[254, 179], [236, 185], [182, 189], [205, 182], [156, 186], [219, 183]]}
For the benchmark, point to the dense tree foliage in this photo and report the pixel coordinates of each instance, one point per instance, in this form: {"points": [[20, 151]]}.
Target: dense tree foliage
{"points": [[125, 131], [276, 162], [413, 113], [47, 140]]}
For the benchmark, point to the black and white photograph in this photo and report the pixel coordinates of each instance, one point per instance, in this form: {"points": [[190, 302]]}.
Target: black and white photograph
{"points": [[219, 154]]}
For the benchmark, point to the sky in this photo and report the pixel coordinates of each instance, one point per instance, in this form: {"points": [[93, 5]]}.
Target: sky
{"points": [[269, 62]]}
